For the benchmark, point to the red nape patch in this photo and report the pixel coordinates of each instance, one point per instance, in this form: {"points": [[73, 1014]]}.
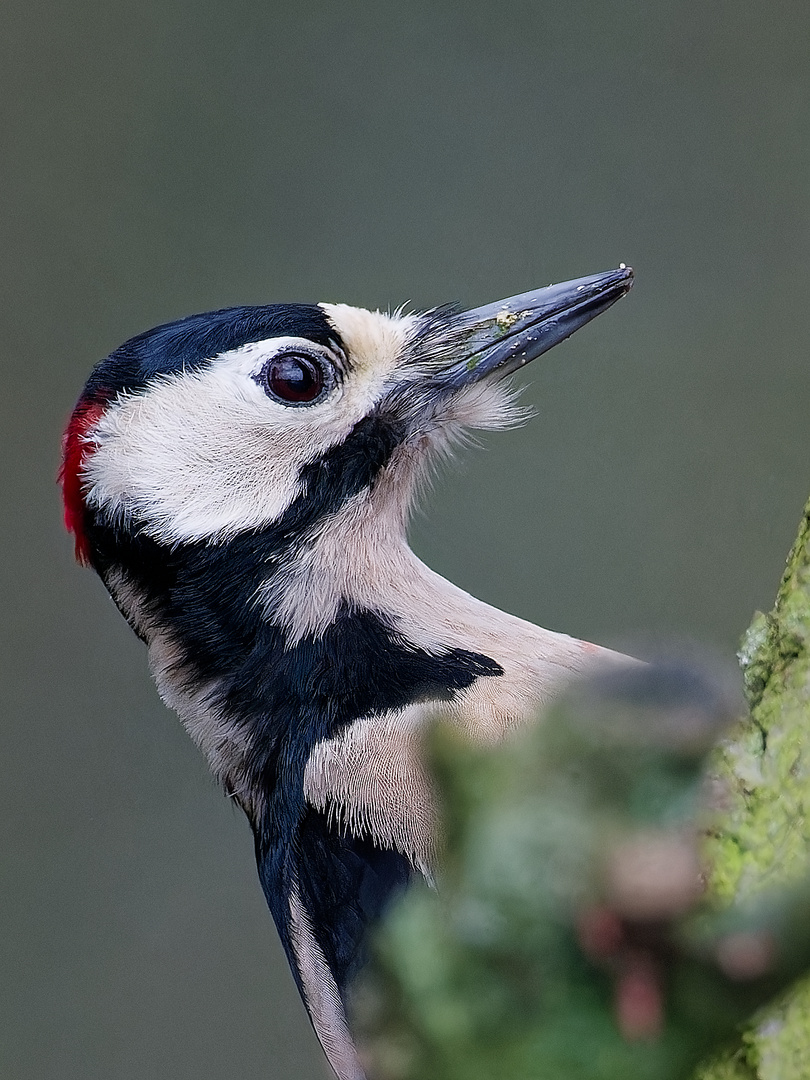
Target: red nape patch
{"points": [[76, 447]]}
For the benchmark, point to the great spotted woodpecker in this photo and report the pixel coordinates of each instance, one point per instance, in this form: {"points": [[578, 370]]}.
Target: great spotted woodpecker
{"points": [[241, 480]]}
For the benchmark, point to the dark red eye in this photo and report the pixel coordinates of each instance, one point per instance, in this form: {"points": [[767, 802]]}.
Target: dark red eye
{"points": [[295, 379]]}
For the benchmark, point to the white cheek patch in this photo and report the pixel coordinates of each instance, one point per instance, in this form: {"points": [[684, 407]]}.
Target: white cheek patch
{"points": [[207, 454], [192, 457]]}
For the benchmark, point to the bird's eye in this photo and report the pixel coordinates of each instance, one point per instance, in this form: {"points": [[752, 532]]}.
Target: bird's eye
{"points": [[295, 379]]}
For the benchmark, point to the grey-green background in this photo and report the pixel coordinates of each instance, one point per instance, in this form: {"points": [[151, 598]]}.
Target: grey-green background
{"points": [[164, 157]]}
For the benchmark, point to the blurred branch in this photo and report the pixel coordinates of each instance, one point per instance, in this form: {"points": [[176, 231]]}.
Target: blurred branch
{"points": [[570, 936]]}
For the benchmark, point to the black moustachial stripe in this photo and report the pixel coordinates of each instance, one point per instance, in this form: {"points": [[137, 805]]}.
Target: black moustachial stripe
{"points": [[298, 696], [289, 698]]}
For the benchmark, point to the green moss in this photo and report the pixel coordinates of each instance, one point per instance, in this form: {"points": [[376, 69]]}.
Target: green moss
{"points": [[493, 977], [732, 1067], [780, 1044], [764, 840]]}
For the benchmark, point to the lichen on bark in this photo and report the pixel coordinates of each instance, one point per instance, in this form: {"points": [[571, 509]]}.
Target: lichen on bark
{"points": [[763, 838]]}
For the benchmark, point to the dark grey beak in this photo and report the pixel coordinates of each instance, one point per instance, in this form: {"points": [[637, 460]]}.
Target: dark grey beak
{"points": [[499, 338]]}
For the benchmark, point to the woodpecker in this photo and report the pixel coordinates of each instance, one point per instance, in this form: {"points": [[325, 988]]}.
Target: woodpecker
{"points": [[241, 480]]}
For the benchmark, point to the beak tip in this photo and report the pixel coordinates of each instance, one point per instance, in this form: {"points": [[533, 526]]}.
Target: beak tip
{"points": [[508, 334]]}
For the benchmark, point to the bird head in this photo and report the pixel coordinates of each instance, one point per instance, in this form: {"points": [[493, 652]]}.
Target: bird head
{"points": [[248, 418]]}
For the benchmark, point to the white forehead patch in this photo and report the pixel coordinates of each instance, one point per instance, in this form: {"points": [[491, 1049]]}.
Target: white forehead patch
{"points": [[375, 342], [208, 454]]}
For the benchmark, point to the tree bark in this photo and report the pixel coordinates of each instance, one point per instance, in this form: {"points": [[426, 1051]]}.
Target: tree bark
{"points": [[764, 840]]}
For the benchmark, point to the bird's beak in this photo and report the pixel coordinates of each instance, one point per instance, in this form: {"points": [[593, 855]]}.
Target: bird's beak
{"points": [[499, 338]]}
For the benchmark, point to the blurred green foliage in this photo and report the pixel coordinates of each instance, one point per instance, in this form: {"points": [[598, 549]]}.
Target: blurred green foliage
{"points": [[572, 935], [763, 836]]}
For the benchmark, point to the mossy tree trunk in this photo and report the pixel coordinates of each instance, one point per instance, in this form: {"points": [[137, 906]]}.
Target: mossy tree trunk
{"points": [[765, 835]]}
